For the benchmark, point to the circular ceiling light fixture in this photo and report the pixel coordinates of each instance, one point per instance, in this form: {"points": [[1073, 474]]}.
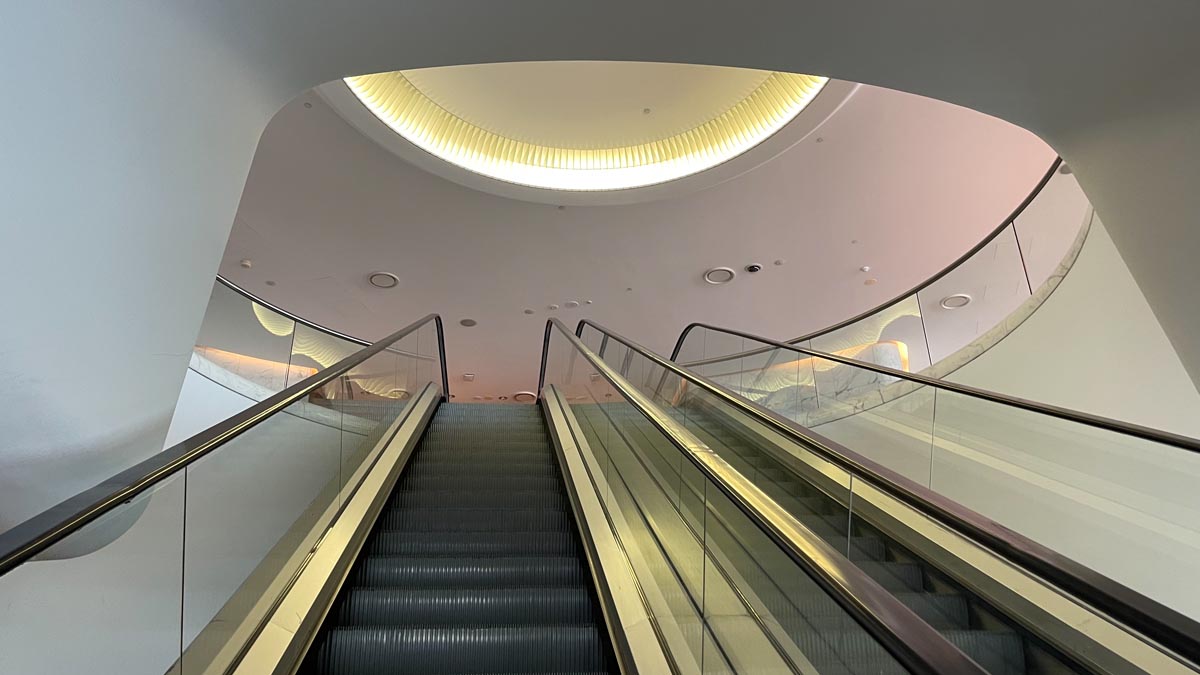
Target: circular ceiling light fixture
{"points": [[383, 279], [956, 301], [429, 109], [467, 323], [524, 397], [719, 275]]}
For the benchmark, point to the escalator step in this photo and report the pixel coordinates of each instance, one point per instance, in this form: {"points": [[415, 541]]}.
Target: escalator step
{"points": [[473, 565], [474, 520], [463, 461], [471, 606], [822, 613], [442, 651], [999, 653], [434, 544], [408, 571], [521, 499], [472, 483], [493, 470], [895, 576]]}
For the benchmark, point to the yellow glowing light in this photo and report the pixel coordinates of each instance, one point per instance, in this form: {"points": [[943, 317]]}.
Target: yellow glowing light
{"points": [[275, 324], [409, 112]]}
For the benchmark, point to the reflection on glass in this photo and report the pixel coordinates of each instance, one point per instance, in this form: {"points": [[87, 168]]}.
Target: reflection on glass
{"points": [[993, 285], [245, 342], [917, 331], [893, 337], [314, 350], [726, 597], [1050, 225]]}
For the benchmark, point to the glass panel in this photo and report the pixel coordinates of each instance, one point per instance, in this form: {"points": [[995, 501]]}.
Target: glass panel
{"points": [[174, 580], [879, 416], [243, 345], [727, 598], [1048, 227], [281, 483], [431, 350], [1109, 501], [103, 600], [992, 282], [313, 351], [252, 506], [777, 618], [892, 337], [692, 348], [375, 390], [813, 490], [592, 338], [663, 547]]}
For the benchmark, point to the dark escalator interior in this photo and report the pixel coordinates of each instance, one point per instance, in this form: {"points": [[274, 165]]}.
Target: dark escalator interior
{"points": [[474, 565], [966, 621]]}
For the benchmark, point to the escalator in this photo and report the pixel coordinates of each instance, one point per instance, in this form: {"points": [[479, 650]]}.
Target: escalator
{"points": [[638, 519], [963, 620], [474, 564], [920, 548]]}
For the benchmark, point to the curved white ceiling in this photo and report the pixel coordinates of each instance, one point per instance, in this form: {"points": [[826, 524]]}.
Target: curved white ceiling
{"points": [[585, 126], [898, 182]]}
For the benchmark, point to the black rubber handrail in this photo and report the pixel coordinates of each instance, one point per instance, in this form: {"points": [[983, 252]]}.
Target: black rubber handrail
{"points": [[912, 641], [1096, 421], [35, 535], [1010, 221], [1159, 623]]}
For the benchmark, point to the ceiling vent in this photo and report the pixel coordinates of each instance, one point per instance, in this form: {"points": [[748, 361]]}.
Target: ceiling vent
{"points": [[383, 280], [719, 275], [956, 301]]}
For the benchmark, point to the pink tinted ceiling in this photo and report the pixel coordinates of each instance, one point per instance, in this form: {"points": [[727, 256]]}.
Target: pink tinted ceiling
{"points": [[898, 182]]}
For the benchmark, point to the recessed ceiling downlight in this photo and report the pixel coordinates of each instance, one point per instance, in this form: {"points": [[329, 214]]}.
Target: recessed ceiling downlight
{"points": [[468, 322], [383, 280], [956, 301], [524, 397], [719, 275]]}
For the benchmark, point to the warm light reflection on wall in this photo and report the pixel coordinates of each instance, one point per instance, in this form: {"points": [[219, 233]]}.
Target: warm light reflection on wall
{"points": [[409, 112]]}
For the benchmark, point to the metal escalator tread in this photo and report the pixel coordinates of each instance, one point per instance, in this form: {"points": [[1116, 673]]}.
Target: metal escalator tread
{"points": [[474, 565]]}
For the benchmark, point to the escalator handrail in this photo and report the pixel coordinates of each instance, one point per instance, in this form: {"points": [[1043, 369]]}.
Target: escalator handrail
{"points": [[35, 535], [912, 641], [1166, 626], [1004, 225], [1097, 421]]}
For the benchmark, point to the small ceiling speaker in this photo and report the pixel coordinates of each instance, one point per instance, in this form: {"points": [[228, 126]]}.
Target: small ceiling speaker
{"points": [[956, 301], [719, 275], [383, 280]]}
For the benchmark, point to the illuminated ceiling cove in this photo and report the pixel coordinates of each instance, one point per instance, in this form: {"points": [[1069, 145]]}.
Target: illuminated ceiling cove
{"points": [[585, 126]]}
